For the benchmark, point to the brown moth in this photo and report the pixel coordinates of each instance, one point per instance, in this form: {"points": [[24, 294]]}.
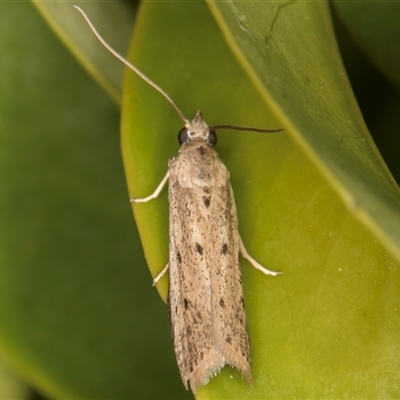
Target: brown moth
{"points": [[205, 300]]}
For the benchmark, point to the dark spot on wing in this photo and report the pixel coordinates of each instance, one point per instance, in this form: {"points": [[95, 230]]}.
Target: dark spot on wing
{"points": [[207, 201], [178, 257], [186, 303], [228, 340], [224, 249], [199, 249], [222, 303]]}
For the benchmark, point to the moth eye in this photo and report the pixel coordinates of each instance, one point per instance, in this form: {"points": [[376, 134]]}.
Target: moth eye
{"points": [[212, 138], [183, 136]]}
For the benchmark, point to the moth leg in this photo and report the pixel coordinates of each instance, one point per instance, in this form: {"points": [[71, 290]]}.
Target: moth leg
{"points": [[155, 194], [253, 262], [160, 275]]}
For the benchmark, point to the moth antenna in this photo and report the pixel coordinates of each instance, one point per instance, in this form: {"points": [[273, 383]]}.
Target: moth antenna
{"points": [[131, 66], [245, 128]]}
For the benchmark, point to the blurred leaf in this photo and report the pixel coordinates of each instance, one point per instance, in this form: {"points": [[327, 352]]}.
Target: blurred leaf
{"points": [[113, 19], [11, 387], [375, 27], [312, 202]]}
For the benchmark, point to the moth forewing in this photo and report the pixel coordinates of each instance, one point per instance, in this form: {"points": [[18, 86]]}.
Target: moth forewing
{"points": [[230, 324]]}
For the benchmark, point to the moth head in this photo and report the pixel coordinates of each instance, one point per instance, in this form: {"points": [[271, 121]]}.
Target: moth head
{"points": [[197, 128]]}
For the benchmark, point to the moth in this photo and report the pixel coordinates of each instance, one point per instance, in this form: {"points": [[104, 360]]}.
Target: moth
{"points": [[205, 300]]}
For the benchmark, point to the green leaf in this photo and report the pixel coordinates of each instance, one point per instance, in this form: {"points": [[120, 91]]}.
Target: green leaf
{"points": [[316, 202], [340, 145], [79, 318], [375, 27]]}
